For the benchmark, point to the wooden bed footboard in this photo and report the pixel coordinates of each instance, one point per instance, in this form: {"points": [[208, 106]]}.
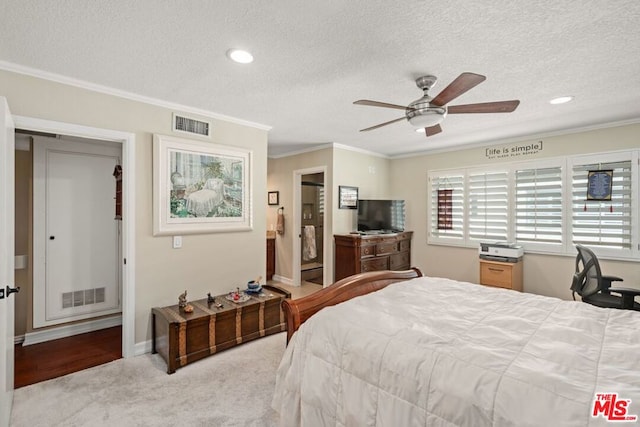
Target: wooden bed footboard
{"points": [[299, 310]]}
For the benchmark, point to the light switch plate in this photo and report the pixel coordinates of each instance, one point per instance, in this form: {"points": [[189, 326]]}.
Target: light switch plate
{"points": [[177, 242]]}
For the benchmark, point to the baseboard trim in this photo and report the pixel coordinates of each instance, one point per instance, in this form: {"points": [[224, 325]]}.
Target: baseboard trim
{"points": [[141, 348], [70, 330], [281, 279], [18, 339]]}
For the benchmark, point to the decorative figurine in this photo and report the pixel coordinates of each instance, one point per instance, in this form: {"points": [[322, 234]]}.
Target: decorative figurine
{"points": [[210, 299], [182, 300]]}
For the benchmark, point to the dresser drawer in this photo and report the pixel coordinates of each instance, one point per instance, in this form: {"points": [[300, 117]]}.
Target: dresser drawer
{"points": [[375, 264], [405, 245], [496, 275], [366, 251], [386, 248], [402, 259]]}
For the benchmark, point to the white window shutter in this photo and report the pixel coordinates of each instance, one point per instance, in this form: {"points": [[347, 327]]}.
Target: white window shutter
{"points": [[605, 224], [448, 182], [538, 206], [488, 205]]}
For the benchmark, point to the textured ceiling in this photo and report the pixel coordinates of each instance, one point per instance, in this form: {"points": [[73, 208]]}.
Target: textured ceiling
{"points": [[313, 59]]}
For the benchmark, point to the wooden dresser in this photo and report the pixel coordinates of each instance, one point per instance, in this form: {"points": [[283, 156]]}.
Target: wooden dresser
{"points": [[356, 253], [501, 274]]}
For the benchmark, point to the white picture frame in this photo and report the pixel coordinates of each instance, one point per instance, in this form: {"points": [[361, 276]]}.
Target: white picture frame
{"points": [[200, 187]]}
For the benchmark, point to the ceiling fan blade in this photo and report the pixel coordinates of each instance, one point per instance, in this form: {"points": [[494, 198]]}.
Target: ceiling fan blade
{"points": [[432, 130], [382, 124], [460, 85], [486, 107], [379, 104]]}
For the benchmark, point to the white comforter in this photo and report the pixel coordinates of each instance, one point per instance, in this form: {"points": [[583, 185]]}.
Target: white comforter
{"points": [[436, 352]]}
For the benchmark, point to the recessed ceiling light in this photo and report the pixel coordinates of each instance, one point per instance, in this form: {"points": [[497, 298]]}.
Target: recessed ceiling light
{"points": [[240, 56], [420, 130], [561, 100]]}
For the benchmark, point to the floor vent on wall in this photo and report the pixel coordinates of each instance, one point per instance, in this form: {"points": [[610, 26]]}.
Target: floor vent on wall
{"points": [[86, 297], [189, 125]]}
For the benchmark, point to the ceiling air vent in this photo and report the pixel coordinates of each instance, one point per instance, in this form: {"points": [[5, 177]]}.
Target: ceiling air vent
{"points": [[192, 126]]}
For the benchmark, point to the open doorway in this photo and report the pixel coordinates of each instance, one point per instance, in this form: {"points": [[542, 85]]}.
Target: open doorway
{"points": [[122, 336], [69, 246], [312, 230]]}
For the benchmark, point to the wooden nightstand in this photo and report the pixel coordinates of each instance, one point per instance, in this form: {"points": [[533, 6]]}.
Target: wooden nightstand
{"points": [[500, 274]]}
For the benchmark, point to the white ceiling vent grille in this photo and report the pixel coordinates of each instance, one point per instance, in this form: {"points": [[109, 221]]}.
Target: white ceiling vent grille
{"points": [[192, 126]]}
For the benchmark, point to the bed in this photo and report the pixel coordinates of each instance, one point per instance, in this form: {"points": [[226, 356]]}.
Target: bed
{"points": [[398, 349]]}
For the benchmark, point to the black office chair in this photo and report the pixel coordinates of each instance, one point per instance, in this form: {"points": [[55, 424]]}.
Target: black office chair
{"points": [[595, 289]]}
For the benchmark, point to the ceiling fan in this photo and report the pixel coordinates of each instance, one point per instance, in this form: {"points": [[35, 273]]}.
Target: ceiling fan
{"points": [[428, 112]]}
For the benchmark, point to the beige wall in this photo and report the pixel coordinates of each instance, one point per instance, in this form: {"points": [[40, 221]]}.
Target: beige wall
{"points": [[367, 172], [370, 173], [213, 263], [280, 177], [543, 274]]}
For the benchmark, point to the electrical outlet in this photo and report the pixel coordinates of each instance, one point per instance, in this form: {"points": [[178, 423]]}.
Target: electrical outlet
{"points": [[177, 242]]}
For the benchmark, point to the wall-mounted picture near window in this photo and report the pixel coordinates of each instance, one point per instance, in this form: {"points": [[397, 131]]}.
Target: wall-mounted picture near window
{"points": [[200, 187], [599, 185], [348, 197]]}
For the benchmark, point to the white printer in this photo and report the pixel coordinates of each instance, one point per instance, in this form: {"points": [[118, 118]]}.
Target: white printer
{"points": [[501, 251]]}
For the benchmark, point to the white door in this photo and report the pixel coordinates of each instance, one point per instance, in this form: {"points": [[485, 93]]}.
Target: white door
{"points": [[7, 203], [76, 239]]}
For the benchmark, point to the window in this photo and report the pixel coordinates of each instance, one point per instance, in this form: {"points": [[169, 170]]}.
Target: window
{"points": [[488, 205], [603, 224], [539, 206], [454, 182], [542, 205]]}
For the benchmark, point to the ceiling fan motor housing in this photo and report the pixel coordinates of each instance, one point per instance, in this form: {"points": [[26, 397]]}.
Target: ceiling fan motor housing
{"points": [[421, 113]]}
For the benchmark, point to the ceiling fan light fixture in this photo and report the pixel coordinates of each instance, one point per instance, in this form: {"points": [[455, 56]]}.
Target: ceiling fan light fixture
{"points": [[240, 56], [561, 100]]}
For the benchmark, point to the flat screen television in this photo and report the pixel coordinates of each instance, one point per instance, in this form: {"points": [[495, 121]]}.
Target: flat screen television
{"points": [[380, 216]]}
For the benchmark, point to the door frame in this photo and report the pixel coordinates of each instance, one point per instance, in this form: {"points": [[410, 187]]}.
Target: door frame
{"points": [[128, 141], [7, 258], [297, 224]]}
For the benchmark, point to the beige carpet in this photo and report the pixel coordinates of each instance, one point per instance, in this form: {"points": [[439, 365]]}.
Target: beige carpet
{"points": [[231, 388]]}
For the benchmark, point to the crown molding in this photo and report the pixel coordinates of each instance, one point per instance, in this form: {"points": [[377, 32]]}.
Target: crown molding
{"points": [[522, 138], [58, 78], [328, 145]]}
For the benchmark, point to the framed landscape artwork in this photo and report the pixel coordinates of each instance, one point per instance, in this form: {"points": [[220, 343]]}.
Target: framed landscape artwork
{"points": [[200, 187]]}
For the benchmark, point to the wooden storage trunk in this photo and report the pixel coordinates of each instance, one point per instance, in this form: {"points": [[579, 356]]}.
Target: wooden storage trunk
{"points": [[181, 338]]}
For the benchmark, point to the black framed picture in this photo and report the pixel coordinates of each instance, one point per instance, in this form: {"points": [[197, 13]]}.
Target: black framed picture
{"points": [[348, 197], [599, 185], [273, 197]]}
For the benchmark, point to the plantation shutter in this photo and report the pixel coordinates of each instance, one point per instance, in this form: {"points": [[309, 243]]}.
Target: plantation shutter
{"points": [[488, 206], [603, 223], [539, 205], [455, 183]]}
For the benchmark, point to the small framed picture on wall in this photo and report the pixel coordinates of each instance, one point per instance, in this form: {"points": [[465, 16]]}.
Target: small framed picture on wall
{"points": [[348, 197], [274, 197]]}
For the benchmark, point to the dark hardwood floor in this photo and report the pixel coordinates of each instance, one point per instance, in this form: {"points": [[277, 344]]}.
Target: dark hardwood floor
{"points": [[52, 359]]}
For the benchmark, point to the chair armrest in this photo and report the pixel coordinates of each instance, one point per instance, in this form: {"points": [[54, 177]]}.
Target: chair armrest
{"points": [[606, 282], [628, 296]]}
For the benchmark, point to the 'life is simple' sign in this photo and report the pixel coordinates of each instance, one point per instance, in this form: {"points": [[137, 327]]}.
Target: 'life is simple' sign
{"points": [[516, 150]]}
